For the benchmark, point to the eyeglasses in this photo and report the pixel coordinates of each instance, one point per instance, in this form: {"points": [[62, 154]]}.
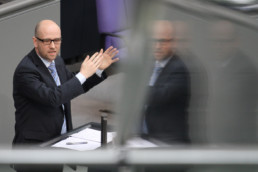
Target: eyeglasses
{"points": [[162, 41], [49, 41]]}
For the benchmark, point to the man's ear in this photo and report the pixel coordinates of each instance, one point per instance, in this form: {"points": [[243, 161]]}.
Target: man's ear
{"points": [[35, 42]]}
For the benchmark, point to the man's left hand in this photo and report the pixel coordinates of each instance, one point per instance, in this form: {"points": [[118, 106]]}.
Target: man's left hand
{"points": [[108, 58]]}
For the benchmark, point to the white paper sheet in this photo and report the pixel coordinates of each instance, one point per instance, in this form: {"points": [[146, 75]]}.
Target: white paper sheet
{"points": [[77, 144], [94, 135], [87, 139], [138, 142]]}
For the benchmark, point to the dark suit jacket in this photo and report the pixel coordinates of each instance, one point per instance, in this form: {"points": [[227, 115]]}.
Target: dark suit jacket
{"points": [[168, 99], [38, 101]]}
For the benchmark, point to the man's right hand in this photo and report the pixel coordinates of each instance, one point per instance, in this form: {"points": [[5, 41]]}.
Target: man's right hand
{"points": [[90, 65]]}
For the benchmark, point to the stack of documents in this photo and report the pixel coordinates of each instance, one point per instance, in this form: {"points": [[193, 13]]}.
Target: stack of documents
{"points": [[87, 139]]}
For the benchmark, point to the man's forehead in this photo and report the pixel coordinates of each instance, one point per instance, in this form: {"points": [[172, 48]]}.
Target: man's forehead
{"points": [[48, 26], [50, 33], [163, 35], [163, 29]]}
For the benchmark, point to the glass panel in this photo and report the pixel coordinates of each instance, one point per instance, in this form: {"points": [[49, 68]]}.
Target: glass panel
{"points": [[205, 92]]}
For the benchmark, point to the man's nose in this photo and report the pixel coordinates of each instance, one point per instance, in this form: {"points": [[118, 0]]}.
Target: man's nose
{"points": [[52, 44], [157, 44]]}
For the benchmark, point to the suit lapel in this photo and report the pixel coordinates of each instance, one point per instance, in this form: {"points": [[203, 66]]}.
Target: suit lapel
{"points": [[42, 68], [62, 78], [60, 71]]}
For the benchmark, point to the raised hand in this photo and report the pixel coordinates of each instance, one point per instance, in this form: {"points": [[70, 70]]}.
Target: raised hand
{"points": [[108, 58], [90, 65]]}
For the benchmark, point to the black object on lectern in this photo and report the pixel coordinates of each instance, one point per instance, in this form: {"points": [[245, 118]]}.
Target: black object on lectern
{"points": [[103, 129], [104, 115]]}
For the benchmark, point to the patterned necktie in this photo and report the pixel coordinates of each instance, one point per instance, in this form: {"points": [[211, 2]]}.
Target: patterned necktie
{"points": [[155, 74], [54, 74]]}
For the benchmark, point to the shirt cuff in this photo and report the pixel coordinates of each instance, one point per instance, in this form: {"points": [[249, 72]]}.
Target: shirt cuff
{"points": [[81, 77], [99, 72]]}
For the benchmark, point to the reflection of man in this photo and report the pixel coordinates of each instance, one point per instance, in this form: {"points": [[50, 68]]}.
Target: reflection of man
{"points": [[166, 108], [43, 87], [233, 84], [198, 78]]}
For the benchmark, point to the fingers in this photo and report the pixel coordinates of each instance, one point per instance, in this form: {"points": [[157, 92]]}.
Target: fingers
{"points": [[94, 56], [108, 50], [86, 59], [98, 61], [111, 51], [101, 51], [90, 65], [97, 58], [114, 52], [115, 60]]}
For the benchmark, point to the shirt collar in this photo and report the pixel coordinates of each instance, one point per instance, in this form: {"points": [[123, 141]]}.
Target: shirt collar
{"points": [[162, 63], [47, 63]]}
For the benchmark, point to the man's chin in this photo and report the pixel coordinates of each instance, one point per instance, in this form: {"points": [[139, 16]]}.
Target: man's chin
{"points": [[159, 57], [52, 57]]}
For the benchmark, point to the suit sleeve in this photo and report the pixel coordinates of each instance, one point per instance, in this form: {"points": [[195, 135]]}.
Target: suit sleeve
{"points": [[90, 82], [29, 83], [93, 80]]}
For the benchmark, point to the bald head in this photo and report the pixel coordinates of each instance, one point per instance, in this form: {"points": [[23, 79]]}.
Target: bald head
{"points": [[163, 34], [45, 25], [225, 38], [163, 28]]}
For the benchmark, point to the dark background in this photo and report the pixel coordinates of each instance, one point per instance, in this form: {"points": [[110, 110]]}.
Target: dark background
{"points": [[79, 27]]}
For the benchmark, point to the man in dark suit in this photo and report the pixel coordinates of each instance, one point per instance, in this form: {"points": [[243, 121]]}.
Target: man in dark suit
{"points": [[169, 89], [43, 87]]}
